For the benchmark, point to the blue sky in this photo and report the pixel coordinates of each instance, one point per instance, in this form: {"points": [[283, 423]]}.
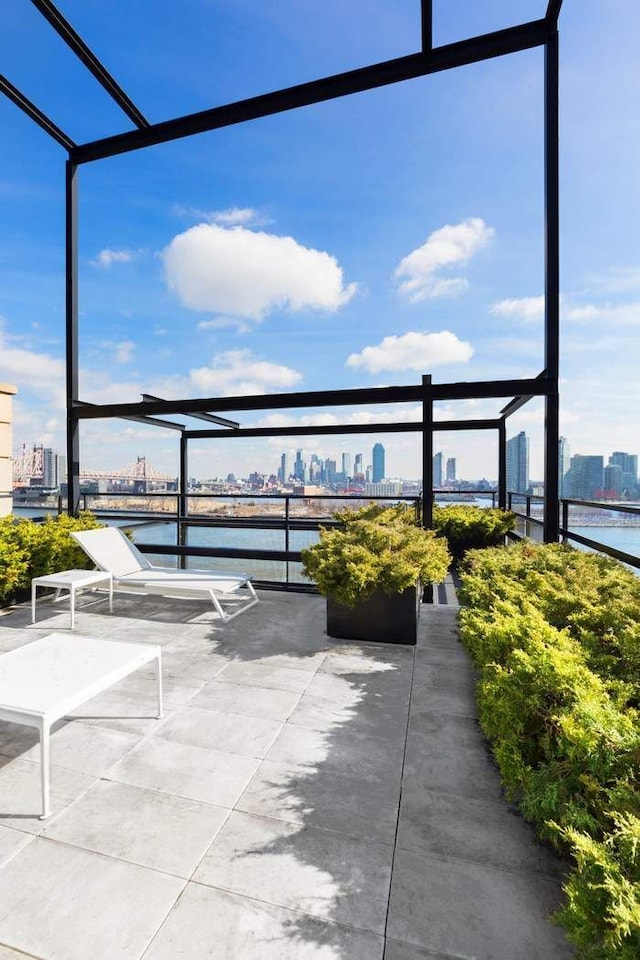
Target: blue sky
{"points": [[357, 243]]}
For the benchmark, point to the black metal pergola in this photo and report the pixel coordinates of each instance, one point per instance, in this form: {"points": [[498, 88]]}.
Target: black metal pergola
{"points": [[428, 60]]}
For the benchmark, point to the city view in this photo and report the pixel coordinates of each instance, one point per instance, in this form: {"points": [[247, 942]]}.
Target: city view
{"points": [[40, 471]]}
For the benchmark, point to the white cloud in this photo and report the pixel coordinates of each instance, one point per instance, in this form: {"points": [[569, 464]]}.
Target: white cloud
{"points": [[413, 351], [231, 217], [225, 323], [121, 351], [107, 257], [246, 273], [28, 370], [418, 273], [522, 308], [532, 308], [232, 373]]}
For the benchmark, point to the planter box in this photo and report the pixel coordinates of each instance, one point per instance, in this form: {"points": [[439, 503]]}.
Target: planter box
{"points": [[381, 618]]}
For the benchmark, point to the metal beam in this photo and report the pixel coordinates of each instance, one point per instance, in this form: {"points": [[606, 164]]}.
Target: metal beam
{"points": [[221, 421], [140, 418], [514, 405], [553, 12], [426, 14], [502, 464], [472, 390], [299, 430], [73, 40], [512, 40], [427, 454], [552, 288], [71, 337], [443, 426], [35, 114]]}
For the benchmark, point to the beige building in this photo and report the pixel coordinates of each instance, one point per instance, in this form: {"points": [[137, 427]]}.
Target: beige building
{"points": [[7, 392]]}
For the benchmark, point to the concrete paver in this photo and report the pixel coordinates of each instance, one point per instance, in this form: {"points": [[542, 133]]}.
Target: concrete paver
{"points": [[303, 799]]}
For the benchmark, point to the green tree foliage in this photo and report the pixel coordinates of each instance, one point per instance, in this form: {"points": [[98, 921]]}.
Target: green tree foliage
{"points": [[374, 548], [29, 549], [555, 634], [467, 527]]}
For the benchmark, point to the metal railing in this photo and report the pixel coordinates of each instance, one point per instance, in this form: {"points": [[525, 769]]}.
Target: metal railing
{"points": [[532, 524]]}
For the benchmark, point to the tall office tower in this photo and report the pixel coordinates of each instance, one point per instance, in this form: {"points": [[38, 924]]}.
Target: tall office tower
{"points": [[368, 474], [346, 465], [298, 467], [586, 476], [518, 463], [285, 470], [564, 463], [437, 470], [377, 458], [358, 469], [451, 470], [50, 469], [330, 471], [614, 479], [629, 464]]}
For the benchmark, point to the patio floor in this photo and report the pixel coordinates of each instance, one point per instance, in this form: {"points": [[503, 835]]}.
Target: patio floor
{"points": [[302, 799]]}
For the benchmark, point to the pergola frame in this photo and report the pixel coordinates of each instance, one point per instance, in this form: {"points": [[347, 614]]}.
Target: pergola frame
{"points": [[536, 33]]}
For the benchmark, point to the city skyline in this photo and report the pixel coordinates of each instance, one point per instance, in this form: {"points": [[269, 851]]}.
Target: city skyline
{"points": [[327, 248], [580, 476]]}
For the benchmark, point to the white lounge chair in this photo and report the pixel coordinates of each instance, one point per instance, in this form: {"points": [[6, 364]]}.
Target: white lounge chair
{"points": [[112, 551]]}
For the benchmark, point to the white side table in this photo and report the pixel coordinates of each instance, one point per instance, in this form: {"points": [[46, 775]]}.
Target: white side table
{"points": [[71, 580], [45, 680]]}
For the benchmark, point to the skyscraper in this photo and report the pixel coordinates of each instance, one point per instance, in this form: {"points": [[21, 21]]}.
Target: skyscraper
{"points": [[628, 462], [346, 465], [586, 476], [437, 470], [518, 463], [358, 469], [451, 470], [378, 472], [298, 467], [284, 470]]}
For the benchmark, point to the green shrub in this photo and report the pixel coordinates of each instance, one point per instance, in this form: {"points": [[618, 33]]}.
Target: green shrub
{"points": [[467, 527], [374, 548], [555, 634], [29, 549]]}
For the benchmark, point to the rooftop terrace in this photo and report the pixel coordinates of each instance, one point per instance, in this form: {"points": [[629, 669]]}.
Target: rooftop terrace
{"points": [[301, 798]]}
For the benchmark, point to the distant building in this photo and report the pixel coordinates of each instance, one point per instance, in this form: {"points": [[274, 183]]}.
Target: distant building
{"points": [[346, 465], [628, 463], [378, 471], [518, 463], [451, 470], [329, 471], [585, 477], [437, 470], [285, 470], [564, 463], [389, 488], [613, 479], [358, 469]]}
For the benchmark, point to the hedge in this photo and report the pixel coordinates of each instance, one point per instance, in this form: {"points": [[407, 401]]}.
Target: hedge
{"points": [[29, 549], [467, 527], [555, 634]]}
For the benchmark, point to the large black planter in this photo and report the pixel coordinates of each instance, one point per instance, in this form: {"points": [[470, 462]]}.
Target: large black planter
{"points": [[381, 618]]}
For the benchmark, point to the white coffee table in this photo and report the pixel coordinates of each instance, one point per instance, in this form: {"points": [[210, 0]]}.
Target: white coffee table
{"points": [[71, 580], [45, 680]]}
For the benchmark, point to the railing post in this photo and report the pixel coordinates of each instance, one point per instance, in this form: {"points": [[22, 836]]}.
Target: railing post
{"points": [[565, 519], [286, 538]]}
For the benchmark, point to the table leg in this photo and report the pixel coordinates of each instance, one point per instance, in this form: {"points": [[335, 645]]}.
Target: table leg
{"points": [[33, 602], [73, 607], [44, 769], [111, 594], [159, 682]]}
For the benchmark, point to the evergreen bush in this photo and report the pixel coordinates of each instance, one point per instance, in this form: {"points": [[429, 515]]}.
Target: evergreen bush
{"points": [[29, 549], [468, 527], [555, 635], [374, 548]]}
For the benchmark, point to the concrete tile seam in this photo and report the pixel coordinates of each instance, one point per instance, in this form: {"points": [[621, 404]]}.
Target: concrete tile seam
{"points": [[296, 910], [510, 871], [21, 953], [162, 793]]}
